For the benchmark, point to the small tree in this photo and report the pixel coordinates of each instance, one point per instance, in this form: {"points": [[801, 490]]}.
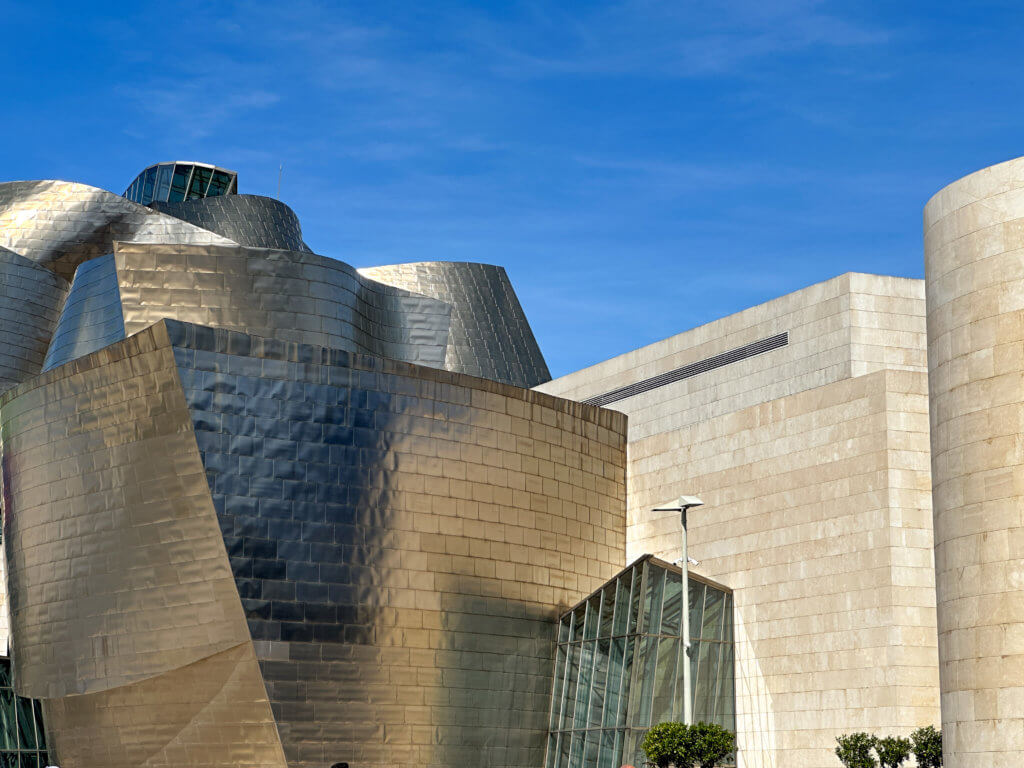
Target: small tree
{"points": [[892, 751], [710, 743], [854, 750], [927, 746], [668, 743]]}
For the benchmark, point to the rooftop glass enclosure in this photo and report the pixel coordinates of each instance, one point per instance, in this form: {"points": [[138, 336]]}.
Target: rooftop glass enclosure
{"points": [[617, 665], [174, 182]]}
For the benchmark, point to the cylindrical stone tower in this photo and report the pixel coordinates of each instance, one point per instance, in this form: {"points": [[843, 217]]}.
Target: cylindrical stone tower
{"points": [[974, 268]]}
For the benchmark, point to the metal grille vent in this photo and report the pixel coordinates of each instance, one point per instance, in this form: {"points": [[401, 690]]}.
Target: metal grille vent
{"points": [[701, 366]]}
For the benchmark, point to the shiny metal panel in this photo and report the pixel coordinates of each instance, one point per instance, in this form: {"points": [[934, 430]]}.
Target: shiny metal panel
{"points": [[60, 224], [91, 318], [490, 336], [251, 220], [116, 568], [401, 538], [30, 302], [285, 295], [211, 714]]}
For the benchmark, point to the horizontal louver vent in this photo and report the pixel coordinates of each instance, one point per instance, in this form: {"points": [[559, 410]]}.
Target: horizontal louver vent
{"points": [[701, 366]]}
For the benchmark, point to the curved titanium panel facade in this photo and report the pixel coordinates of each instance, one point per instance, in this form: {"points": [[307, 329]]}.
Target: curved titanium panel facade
{"points": [[401, 537], [974, 236], [30, 301], [120, 586], [60, 224], [490, 336], [252, 220], [285, 295], [91, 318]]}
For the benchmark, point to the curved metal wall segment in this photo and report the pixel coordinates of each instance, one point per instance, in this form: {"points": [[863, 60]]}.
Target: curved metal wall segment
{"points": [[490, 335], [401, 537], [121, 590], [284, 295], [60, 224], [91, 318], [30, 302], [251, 220], [974, 236], [173, 182]]}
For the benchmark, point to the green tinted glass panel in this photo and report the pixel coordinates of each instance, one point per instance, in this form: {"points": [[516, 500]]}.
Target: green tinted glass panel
{"points": [[40, 733], [696, 607], [583, 688], [179, 183], [163, 182], [607, 611], [552, 751], [219, 184], [558, 692], [614, 681], [622, 602], [200, 181], [664, 680], [573, 672], [147, 185], [673, 606], [711, 625], [600, 677], [627, 680], [593, 614], [607, 758], [26, 727], [636, 597], [578, 617], [8, 720], [590, 747], [656, 591]]}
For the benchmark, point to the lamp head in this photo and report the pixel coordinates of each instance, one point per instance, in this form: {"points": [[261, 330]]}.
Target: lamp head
{"points": [[681, 504]]}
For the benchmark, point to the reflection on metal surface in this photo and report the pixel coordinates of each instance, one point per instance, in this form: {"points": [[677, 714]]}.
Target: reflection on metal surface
{"points": [[91, 318], [252, 220], [60, 224], [284, 295], [490, 336], [30, 301], [399, 538], [618, 665]]}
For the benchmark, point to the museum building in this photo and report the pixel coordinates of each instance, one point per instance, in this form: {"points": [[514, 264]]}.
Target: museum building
{"points": [[261, 508]]}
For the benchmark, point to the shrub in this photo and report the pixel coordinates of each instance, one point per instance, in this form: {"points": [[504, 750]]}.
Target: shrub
{"points": [[710, 743], [668, 743], [854, 750], [892, 751], [927, 746]]}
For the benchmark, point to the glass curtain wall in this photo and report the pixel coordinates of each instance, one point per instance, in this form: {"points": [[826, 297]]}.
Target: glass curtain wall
{"points": [[618, 665], [174, 182], [22, 742]]}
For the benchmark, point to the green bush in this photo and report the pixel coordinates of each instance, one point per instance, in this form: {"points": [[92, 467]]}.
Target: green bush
{"points": [[854, 750], [710, 744], [668, 743], [703, 744], [892, 751], [926, 744]]}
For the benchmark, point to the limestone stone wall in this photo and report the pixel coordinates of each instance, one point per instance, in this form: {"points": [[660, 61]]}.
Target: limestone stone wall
{"points": [[974, 236], [813, 464]]}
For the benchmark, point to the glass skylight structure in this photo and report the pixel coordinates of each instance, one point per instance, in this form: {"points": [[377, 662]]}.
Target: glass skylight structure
{"points": [[22, 742], [618, 665], [174, 182]]}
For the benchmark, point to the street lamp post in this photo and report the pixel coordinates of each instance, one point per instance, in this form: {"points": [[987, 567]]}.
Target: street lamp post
{"points": [[682, 505]]}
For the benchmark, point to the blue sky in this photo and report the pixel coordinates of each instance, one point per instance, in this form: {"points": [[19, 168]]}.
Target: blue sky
{"points": [[639, 167]]}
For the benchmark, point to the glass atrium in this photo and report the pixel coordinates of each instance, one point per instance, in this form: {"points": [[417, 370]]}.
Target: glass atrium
{"points": [[617, 665], [22, 742], [174, 182]]}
